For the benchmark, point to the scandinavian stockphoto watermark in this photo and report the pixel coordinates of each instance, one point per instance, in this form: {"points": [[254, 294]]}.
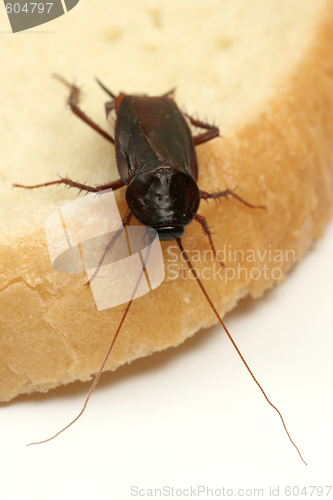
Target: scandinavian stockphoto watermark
{"points": [[24, 15], [87, 235], [237, 264]]}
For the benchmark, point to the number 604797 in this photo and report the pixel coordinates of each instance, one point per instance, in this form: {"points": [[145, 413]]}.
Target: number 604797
{"points": [[29, 7]]}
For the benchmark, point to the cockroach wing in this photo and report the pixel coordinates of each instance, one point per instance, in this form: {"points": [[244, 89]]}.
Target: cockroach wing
{"points": [[151, 132], [167, 133]]}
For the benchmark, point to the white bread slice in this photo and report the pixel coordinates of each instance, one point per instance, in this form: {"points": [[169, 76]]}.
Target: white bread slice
{"points": [[261, 70]]}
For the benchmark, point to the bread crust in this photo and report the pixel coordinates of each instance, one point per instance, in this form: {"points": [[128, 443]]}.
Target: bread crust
{"points": [[51, 331]]}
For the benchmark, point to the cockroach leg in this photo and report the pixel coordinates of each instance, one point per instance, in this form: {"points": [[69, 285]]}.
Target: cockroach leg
{"points": [[212, 131], [108, 248], [207, 231], [73, 101], [228, 192], [82, 187]]}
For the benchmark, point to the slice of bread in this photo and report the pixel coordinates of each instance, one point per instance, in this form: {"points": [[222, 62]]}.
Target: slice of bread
{"points": [[262, 70]]}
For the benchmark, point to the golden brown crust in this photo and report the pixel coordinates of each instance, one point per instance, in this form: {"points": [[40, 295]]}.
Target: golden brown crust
{"points": [[53, 334]]}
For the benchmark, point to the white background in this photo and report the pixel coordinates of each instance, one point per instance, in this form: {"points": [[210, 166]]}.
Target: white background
{"points": [[192, 416]]}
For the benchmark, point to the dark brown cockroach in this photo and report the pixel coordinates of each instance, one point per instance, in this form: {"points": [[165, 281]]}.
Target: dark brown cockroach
{"points": [[157, 161]]}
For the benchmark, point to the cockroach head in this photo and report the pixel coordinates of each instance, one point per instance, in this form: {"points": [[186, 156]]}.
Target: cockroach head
{"points": [[165, 199]]}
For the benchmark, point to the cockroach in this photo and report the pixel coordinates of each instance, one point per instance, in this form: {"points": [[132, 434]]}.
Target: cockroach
{"points": [[157, 161]]}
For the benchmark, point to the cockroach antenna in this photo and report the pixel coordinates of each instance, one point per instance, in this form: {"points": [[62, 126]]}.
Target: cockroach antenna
{"points": [[195, 275], [98, 376]]}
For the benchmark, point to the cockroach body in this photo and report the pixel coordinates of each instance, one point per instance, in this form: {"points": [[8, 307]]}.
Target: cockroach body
{"points": [[156, 160]]}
